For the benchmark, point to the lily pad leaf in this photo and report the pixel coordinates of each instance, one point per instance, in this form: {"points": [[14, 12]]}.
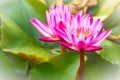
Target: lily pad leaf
{"points": [[16, 41], [116, 31], [62, 67], [96, 68], [21, 14], [110, 52], [12, 67], [105, 8], [113, 20]]}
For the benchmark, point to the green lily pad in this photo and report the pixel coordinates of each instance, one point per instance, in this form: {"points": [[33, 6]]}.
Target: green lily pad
{"points": [[116, 31], [19, 37], [21, 14], [97, 68], [12, 67], [52, 2], [62, 67], [110, 52], [67, 1], [113, 20], [16, 41], [105, 8]]}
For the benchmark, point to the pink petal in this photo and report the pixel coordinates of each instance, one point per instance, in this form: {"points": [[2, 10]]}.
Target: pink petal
{"points": [[89, 40], [68, 33], [69, 36], [61, 25], [81, 44], [52, 22], [55, 6], [101, 37], [82, 36], [93, 48], [97, 28], [93, 25], [85, 20], [91, 20], [69, 46], [49, 39], [62, 8], [48, 17], [61, 34], [78, 19], [79, 13], [68, 9], [86, 15], [73, 39], [40, 27], [92, 41]]}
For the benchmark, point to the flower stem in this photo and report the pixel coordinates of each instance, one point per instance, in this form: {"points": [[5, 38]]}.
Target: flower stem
{"points": [[77, 75], [63, 49], [81, 69]]}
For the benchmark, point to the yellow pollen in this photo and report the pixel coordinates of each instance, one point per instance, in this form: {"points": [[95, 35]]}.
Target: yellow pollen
{"points": [[86, 33], [78, 32]]}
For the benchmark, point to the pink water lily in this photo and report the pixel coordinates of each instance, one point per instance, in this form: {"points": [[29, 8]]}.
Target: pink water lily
{"points": [[75, 32], [82, 33], [54, 16]]}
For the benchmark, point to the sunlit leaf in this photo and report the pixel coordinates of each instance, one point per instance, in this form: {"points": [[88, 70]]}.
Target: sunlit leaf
{"points": [[16, 41], [113, 20], [105, 8], [18, 34]]}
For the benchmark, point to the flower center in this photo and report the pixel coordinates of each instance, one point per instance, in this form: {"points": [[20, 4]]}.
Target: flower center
{"points": [[86, 33], [78, 32]]}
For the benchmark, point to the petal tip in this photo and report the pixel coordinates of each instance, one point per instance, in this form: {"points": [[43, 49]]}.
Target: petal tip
{"points": [[49, 39]]}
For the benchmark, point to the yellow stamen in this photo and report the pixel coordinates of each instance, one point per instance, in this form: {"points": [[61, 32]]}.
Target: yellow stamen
{"points": [[78, 32], [86, 33]]}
